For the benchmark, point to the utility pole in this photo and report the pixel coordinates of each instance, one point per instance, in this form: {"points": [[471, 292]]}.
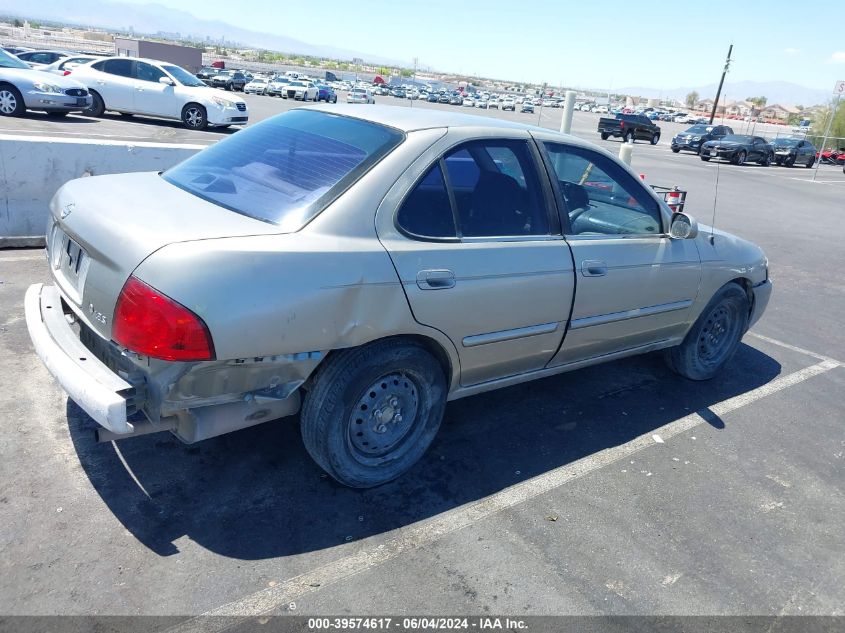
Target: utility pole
{"points": [[721, 83]]}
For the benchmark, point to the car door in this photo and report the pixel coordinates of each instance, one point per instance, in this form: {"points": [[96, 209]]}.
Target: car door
{"points": [[635, 284], [151, 96], [480, 254], [761, 148], [115, 83]]}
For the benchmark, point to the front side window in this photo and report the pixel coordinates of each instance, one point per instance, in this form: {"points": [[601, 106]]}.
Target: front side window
{"points": [[183, 76], [148, 72], [600, 197], [286, 169]]}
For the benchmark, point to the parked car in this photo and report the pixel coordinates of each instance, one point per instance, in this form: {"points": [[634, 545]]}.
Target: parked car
{"points": [[277, 87], [739, 148], [159, 89], [287, 265], [602, 109], [456, 99], [444, 98], [399, 93], [360, 95], [629, 127], [302, 90], [64, 65], [229, 80], [258, 86], [508, 104], [527, 107], [39, 59], [791, 151], [433, 97], [16, 50], [22, 89], [325, 93], [693, 138], [206, 73]]}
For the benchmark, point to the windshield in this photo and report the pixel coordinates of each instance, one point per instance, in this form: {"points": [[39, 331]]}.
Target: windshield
{"points": [[700, 129], [286, 169], [10, 61], [788, 142], [737, 138], [298, 84], [183, 76]]}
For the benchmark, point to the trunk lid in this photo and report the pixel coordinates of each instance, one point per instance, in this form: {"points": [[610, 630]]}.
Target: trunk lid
{"points": [[101, 228]]}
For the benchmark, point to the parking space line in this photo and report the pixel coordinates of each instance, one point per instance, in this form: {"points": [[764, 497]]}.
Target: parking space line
{"points": [[794, 348], [274, 598]]}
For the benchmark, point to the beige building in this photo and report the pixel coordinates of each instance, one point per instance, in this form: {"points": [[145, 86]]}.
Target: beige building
{"points": [[187, 57]]}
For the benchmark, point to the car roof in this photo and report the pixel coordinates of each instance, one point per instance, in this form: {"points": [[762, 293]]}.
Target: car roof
{"points": [[411, 119]]}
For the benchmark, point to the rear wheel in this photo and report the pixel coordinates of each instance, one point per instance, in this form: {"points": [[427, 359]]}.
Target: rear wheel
{"points": [[373, 411], [812, 162], [714, 337], [11, 101], [97, 106], [604, 136], [194, 117], [629, 136]]}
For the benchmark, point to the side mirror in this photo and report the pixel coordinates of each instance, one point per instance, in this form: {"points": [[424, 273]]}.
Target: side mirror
{"points": [[166, 81], [683, 227]]}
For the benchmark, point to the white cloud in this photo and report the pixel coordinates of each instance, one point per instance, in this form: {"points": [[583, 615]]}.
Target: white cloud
{"points": [[838, 57], [792, 51]]}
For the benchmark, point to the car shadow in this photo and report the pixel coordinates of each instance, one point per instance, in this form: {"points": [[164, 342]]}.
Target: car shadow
{"points": [[163, 123], [71, 117], [256, 494]]}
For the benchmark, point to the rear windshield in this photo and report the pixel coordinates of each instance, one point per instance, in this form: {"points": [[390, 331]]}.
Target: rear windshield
{"points": [[287, 169]]}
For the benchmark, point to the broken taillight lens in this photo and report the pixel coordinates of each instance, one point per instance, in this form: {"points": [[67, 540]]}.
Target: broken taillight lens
{"points": [[152, 324]]}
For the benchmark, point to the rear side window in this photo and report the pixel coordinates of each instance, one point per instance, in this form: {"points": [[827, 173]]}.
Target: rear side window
{"points": [[427, 211], [120, 67], [285, 170]]}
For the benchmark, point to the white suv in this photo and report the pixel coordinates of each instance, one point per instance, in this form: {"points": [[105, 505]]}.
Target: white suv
{"points": [[159, 89]]}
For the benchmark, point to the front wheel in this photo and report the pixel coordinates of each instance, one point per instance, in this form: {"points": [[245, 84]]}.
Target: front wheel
{"points": [[739, 159], [655, 138], [766, 160], [705, 158], [714, 337], [195, 117], [629, 137], [676, 149], [11, 101], [789, 162], [373, 411]]}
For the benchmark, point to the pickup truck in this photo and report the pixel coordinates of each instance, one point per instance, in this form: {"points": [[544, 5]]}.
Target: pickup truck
{"points": [[629, 127]]}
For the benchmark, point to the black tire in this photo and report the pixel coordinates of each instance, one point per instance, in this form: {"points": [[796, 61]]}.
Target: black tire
{"points": [[766, 161], [789, 161], [57, 115], [341, 413], [655, 138], [812, 163], [714, 338], [705, 158], [676, 149], [98, 106], [194, 116], [629, 137], [604, 136], [335, 99], [739, 157], [11, 101]]}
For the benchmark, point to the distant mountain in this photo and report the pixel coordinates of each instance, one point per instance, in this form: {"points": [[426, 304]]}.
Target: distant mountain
{"points": [[151, 18], [781, 92]]}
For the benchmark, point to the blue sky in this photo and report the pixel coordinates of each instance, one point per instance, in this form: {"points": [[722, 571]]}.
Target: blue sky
{"points": [[586, 43]]}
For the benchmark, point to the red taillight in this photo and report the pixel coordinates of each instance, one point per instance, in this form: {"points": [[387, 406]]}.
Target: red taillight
{"points": [[66, 73], [153, 324]]}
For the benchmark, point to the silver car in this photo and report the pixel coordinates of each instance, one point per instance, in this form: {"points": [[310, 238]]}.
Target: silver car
{"points": [[360, 95], [22, 89], [365, 266]]}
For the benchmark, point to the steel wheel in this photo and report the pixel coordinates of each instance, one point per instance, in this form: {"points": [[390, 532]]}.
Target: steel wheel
{"points": [[717, 336], [11, 102], [194, 117], [383, 420]]}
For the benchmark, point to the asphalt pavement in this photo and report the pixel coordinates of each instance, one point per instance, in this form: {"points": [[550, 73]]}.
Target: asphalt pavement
{"points": [[616, 489]]}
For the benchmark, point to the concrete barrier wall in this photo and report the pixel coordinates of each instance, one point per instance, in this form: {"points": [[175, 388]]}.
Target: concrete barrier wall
{"points": [[33, 168]]}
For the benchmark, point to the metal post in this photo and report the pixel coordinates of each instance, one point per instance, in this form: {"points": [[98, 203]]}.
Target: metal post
{"points": [[626, 152], [833, 111], [568, 109]]}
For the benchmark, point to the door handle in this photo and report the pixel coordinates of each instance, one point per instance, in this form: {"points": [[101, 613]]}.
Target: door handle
{"points": [[435, 279], [593, 268]]}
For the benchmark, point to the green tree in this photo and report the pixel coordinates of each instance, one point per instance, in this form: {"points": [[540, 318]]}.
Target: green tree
{"points": [[691, 99], [17, 23], [406, 73], [837, 127]]}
